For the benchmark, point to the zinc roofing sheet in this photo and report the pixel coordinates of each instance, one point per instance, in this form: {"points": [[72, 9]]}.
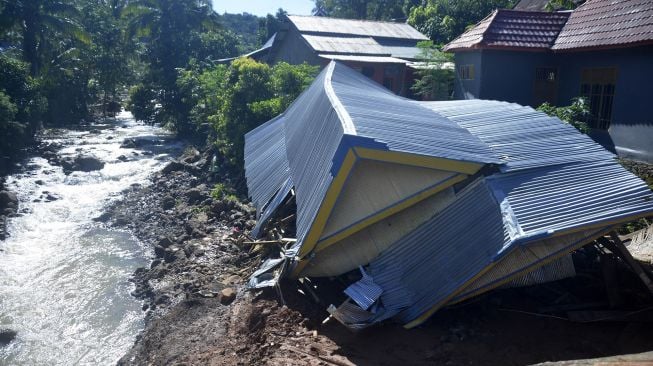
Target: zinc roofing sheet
{"points": [[401, 124], [266, 165], [511, 28], [334, 44], [521, 136], [367, 59], [556, 198], [606, 23], [314, 24], [426, 266]]}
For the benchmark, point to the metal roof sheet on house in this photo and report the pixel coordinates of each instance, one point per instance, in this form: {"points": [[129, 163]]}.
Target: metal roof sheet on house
{"points": [[603, 23], [367, 59], [512, 29], [348, 45], [521, 136], [554, 190], [334, 26]]}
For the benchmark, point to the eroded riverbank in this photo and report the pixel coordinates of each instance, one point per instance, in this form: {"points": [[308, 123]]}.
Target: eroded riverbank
{"points": [[65, 289], [202, 259]]}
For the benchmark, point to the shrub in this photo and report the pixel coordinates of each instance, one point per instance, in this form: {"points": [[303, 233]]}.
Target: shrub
{"points": [[573, 114], [141, 103]]}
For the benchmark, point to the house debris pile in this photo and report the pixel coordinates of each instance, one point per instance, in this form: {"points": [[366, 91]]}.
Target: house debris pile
{"points": [[433, 202]]}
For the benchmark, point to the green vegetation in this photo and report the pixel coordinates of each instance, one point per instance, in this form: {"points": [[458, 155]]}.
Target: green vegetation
{"points": [[235, 99], [221, 191], [440, 20], [436, 79], [573, 114]]}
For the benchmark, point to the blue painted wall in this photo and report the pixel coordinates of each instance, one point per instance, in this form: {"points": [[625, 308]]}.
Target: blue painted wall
{"points": [[631, 128], [510, 76], [468, 89]]}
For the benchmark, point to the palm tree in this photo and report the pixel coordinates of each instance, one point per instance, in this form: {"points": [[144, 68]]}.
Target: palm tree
{"points": [[37, 20]]}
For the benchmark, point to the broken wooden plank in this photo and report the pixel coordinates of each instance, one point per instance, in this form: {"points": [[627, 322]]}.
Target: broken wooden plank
{"points": [[617, 247]]}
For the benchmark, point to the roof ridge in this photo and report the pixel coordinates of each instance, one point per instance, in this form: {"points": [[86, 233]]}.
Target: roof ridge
{"points": [[345, 119], [350, 19]]}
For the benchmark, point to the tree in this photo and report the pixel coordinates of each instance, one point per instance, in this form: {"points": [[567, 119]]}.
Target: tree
{"points": [[366, 9], [169, 29], [436, 79], [21, 105], [40, 22], [237, 98], [443, 20], [270, 25], [554, 5]]}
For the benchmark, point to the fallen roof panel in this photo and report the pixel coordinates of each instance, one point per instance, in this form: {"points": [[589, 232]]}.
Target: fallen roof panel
{"points": [[530, 189]]}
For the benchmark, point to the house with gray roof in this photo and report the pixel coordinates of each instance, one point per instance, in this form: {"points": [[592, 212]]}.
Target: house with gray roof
{"points": [[386, 52], [602, 51]]}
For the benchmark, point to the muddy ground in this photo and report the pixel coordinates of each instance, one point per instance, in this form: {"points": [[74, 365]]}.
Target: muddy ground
{"points": [[199, 312]]}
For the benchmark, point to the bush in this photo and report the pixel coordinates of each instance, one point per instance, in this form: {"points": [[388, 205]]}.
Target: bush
{"points": [[21, 106], [435, 80], [141, 103], [573, 114], [238, 98]]}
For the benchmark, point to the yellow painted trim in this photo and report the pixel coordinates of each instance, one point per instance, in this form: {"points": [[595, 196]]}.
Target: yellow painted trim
{"points": [[419, 160], [388, 212], [299, 268], [329, 201]]}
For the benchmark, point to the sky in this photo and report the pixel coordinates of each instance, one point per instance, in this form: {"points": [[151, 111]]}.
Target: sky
{"points": [[263, 7]]}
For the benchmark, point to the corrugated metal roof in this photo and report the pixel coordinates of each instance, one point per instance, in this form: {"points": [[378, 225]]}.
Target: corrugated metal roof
{"points": [[401, 124], [608, 23], [511, 28], [425, 267], [367, 59], [521, 136], [556, 198], [553, 181], [369, 28], [357, 45], [266, 165]]}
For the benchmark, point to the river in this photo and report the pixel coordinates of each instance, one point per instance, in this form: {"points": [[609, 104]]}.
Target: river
{"points": [[64, 279]]}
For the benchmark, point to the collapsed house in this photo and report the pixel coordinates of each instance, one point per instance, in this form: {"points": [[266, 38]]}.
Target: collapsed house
{"points": [[435, 202]]}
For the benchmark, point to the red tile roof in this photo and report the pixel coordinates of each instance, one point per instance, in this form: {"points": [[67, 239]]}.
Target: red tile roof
{"points": [[608, 24], [512, 29]]}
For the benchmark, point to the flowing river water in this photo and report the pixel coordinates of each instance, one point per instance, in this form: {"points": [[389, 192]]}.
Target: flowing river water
{"points": [[64, 279]]}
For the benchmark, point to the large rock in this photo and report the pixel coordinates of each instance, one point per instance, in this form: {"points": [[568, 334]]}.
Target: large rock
{"points": [[8, 200], [88, 163], [6, 336], [84, 163]]}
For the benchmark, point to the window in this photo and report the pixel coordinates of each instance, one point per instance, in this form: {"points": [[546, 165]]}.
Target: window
{"points": [[597, 86], [545, 87], [466, 72], [546, 74]]}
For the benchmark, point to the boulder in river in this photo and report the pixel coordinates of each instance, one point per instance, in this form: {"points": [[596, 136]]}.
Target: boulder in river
{"points": [[8, 200], [84, 163], [6, 336]]}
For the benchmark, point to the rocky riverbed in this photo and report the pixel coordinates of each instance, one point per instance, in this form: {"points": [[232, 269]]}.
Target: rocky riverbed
{"points": [[199, 312]]}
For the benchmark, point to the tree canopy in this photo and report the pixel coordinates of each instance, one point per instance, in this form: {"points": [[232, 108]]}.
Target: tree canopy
{"points": [[440, 20]]}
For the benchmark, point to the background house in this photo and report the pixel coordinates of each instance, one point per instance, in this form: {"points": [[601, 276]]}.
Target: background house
{"points": [[603, 51], [384, 51]]}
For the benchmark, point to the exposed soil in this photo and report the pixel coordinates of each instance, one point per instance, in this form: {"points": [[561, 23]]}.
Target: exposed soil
{"points": [[201, 255]]}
